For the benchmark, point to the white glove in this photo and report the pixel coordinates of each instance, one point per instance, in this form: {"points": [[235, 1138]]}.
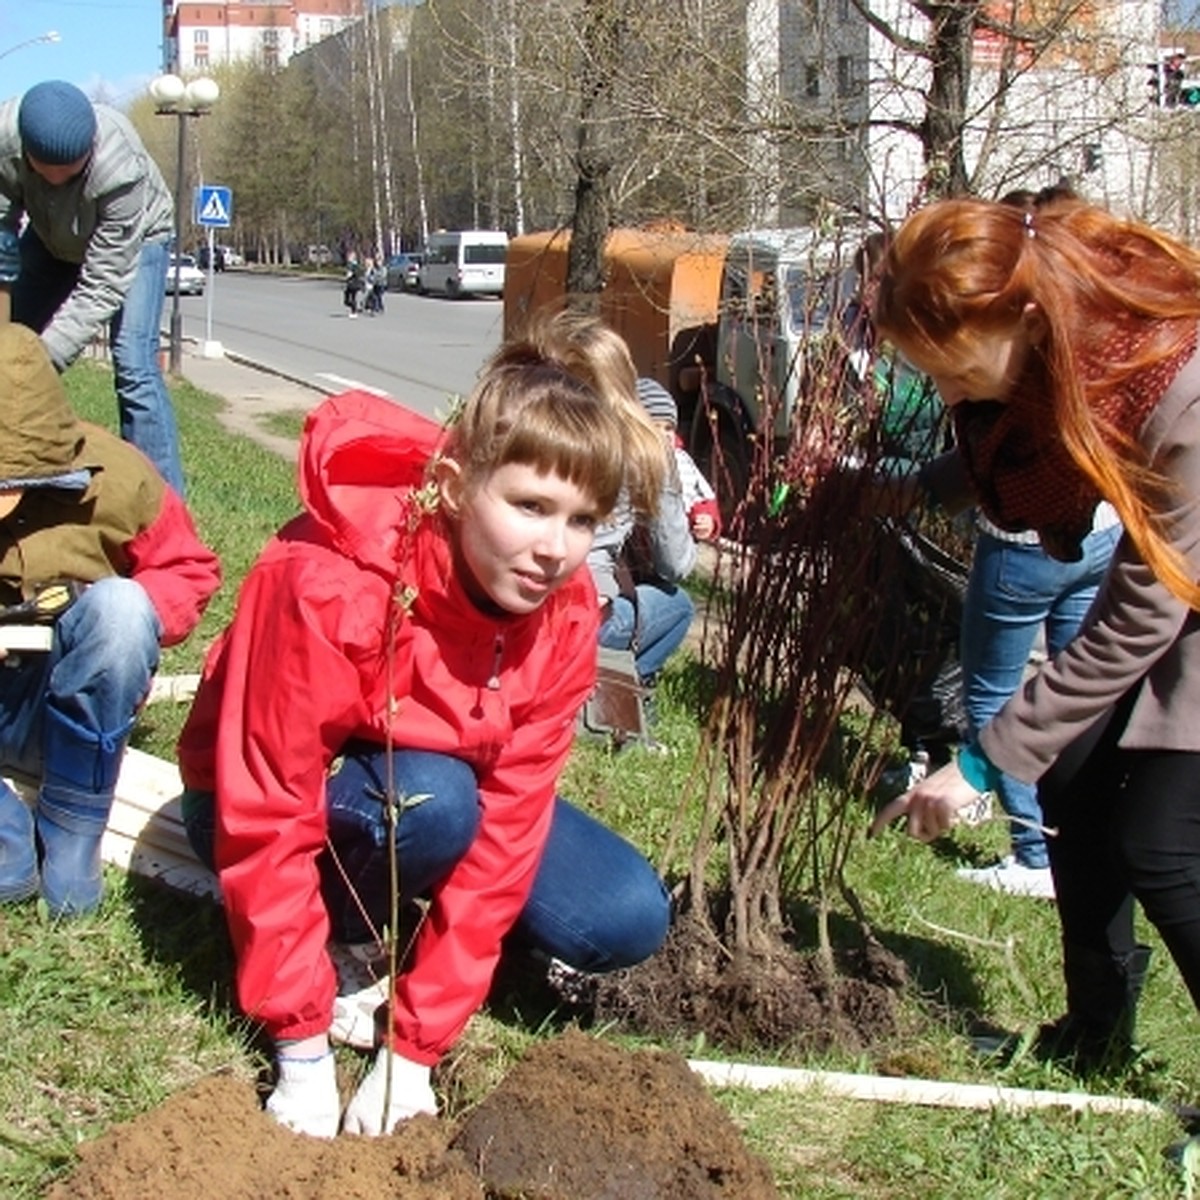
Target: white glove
{"points": [[411, 1094], [305, 1098]]}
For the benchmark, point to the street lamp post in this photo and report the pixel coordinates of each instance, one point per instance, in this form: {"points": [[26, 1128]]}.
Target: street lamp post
{"points": [[50, 35], [174, 98]]}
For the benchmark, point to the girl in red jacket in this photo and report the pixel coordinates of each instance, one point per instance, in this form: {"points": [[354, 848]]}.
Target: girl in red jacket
{"points": [[422, 632]]}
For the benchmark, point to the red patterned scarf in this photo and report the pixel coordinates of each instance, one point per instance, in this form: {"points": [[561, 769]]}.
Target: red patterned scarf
{"points": [[1022, 474]]}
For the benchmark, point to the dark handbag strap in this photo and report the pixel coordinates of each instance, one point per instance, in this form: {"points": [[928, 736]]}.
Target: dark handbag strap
{"points": [[627, 587]]}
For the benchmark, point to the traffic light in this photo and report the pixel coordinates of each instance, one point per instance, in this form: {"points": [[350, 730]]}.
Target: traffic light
{"points": [[1167, 84], [1155, 83], [1172, 76]]}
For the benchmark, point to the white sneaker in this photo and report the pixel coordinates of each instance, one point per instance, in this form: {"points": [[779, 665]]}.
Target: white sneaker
{"points": [[1012, 878], [362, 987], [354, 1016]]}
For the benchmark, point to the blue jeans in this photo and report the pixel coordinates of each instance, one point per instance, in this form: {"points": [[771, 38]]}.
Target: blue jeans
{"points": [[147, 418], [1013, 591], [660, 622], [97, 674], [596, 902]]}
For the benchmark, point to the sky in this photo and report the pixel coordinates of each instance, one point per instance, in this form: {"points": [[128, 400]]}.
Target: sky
{"points": [[109, 48]]}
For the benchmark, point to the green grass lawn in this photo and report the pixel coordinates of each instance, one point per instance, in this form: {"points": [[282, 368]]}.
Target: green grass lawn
{"points": [[103, 1018]]}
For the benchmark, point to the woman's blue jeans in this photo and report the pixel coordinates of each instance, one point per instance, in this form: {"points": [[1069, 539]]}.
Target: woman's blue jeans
{"points": [[147, 418], [655, 627], [97, 675], [596, 903], [1013, 591]]}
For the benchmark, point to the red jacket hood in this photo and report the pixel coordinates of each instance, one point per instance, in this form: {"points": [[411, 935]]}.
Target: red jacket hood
{"points": [[361, 457]]}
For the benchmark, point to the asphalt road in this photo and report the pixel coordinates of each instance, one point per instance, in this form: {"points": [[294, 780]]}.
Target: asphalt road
{"points": [[421, 351]]}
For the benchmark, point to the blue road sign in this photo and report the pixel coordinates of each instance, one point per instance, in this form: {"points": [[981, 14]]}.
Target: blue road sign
{"points": [[214, 206]]}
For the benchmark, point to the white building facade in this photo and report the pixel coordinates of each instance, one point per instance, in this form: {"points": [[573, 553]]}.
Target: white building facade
{"points": [[1080, 111], [199, 36]]}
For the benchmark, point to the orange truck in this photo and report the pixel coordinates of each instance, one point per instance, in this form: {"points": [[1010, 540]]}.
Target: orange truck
{"points": [[721, 320]]}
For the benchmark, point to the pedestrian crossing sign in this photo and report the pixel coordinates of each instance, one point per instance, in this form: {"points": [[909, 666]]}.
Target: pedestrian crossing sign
{"points": [[214, 206]]}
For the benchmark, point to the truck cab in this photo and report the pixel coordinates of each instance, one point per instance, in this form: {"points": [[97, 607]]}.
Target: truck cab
{"points": [[785, 295]]}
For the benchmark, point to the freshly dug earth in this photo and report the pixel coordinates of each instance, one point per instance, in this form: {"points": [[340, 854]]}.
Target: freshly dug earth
{"points": [[780, 1000], [577, 1119]]}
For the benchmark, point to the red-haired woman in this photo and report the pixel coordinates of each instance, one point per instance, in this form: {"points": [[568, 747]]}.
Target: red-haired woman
{"points": [[1065, 344]]}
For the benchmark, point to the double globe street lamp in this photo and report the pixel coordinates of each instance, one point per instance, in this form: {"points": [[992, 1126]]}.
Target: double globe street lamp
{"points": [[174, 98]]}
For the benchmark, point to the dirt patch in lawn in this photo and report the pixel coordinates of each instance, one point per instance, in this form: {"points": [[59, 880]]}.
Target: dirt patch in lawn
{"points": [[779, 1000], [576, 1119]]}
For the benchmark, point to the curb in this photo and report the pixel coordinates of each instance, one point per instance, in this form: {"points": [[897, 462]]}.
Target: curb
{"points": [[242, 361]]}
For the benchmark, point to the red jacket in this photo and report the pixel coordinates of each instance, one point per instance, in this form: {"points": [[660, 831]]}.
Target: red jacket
{"points": [[303, 668]]}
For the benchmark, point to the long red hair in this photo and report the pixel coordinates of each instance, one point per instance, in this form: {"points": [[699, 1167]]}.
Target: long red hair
{"points": [[959, 269]]}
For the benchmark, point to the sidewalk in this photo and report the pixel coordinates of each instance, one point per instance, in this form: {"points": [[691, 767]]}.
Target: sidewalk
{"points": [[251, 393]]}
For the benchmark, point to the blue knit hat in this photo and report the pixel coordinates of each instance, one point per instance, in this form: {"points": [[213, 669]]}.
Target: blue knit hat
{"points": [[57, 123]]}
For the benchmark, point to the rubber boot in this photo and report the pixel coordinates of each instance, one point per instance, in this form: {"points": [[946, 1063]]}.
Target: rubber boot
{"points": [[79, 780], [1097, 1030], [18, 857], [1096, 1033]]}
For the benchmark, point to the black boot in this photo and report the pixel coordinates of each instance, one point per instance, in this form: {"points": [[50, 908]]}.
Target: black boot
{"points": [[1097, 1030], [1096, 1033]]}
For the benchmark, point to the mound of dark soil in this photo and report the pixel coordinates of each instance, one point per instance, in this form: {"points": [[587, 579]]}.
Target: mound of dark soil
{"points": [[634, 1126], [578, 1119], [779, 1000]]}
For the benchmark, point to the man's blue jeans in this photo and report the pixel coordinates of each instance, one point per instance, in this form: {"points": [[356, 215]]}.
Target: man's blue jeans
{"points": [[1013, 591], [97, 674], [596, 902], [147, 418], [660, 621]]}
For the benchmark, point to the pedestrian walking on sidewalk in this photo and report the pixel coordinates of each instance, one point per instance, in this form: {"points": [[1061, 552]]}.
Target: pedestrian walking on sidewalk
{"points": [[375, 284], [353, 285]]}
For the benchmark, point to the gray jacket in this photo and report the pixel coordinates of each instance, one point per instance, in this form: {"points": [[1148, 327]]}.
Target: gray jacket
{"points": [[99, 219], [672, 547], [1137, 636]]}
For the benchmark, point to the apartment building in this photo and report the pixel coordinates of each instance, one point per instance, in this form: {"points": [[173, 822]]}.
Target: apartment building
{"points": [[199, 36], [1078, 109]]}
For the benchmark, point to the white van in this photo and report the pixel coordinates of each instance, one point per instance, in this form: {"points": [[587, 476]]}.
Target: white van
{"points": [[464, 262]]}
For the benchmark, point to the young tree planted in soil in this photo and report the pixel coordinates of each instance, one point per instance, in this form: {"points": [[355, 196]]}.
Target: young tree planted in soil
{"points": [[799, 609]]}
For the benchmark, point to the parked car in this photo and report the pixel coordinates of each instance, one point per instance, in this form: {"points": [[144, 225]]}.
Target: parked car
{"points": [[231, 256], [403, 272], [191, 278]]}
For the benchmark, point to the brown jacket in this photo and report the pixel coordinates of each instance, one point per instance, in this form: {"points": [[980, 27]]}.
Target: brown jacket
{"points": [[1137, 636], [124, 520]]}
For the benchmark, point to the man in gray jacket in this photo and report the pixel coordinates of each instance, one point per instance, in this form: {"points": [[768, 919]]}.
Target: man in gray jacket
{"points": [[94, 249]]}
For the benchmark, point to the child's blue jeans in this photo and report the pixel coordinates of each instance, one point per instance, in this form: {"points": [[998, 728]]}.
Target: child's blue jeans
{"points": [[596, 902]]}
